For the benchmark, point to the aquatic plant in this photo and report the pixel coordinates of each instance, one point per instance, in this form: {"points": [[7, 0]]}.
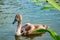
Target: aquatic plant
{"points": [[54, 4], [51, 32], [47, 4]]}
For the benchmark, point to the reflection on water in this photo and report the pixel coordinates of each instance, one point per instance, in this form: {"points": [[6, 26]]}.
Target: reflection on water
{"points": [[17, 37], [31, 36]]}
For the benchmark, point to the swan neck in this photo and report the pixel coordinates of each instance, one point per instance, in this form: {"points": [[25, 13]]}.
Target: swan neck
{"points": [[18, 31]]}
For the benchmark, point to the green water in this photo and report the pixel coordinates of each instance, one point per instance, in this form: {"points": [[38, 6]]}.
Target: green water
{"points": [[31, 13]]}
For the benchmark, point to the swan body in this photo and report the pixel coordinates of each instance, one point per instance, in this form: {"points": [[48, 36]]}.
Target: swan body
{"points": [[28, 28]]}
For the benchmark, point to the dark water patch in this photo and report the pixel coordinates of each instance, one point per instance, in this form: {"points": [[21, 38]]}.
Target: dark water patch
{"points": [[1, 2], [3, 17], [1, 23], [1, 11]]}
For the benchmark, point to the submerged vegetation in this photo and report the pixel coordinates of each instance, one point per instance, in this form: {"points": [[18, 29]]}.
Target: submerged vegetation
{"points": [[48, 4], [51, 32]]}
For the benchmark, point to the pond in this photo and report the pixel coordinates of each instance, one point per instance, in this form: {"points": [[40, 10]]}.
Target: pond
{"points": [[31, 14]]}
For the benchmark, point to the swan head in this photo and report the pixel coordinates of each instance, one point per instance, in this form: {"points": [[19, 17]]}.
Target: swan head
{"points": [[18, 18]]}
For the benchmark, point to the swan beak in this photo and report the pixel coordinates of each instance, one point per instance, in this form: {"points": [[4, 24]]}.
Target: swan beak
{"points": [[14, 21]]}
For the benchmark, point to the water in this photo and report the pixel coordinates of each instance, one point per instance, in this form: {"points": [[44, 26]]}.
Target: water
{"points": [[31, 13]]}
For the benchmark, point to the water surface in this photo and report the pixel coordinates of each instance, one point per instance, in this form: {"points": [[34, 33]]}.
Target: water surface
{"points": [[31, 13]]}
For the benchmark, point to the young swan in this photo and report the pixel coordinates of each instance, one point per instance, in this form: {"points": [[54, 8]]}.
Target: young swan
{"points": [[27, 28]]}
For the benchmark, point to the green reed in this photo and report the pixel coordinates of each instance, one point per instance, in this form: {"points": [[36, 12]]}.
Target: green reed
{"points": [[51, 32]]}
